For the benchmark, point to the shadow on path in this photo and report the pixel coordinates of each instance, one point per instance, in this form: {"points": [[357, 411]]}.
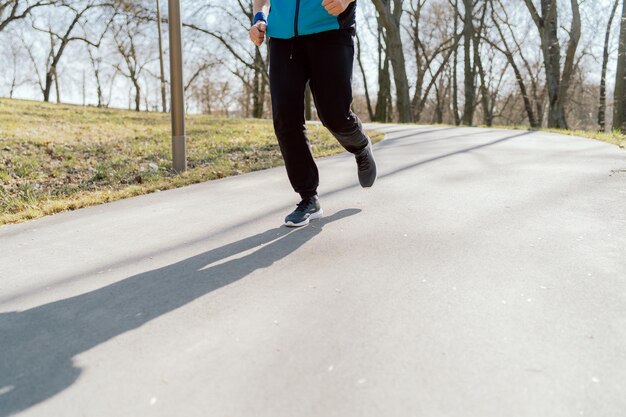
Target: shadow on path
{"points": [[412, 134], [410, 145], [37, 345], [447, 155]]}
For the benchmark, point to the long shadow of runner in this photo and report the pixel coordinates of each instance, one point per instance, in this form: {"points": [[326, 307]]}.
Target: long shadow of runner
{"points": [[37, 345]]}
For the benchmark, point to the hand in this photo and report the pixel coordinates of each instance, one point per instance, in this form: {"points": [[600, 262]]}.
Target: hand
{"points": [[257, 33], [336, 7]]}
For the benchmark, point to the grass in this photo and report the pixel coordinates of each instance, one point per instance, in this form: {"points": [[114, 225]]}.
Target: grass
{"points": [[614, 137], [64, 157]]}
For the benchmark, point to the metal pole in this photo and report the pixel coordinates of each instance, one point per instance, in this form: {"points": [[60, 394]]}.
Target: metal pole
{"points": [[163, 93], [178, 98]]}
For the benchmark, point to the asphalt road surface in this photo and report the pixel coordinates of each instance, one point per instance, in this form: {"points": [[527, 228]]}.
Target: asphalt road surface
{"points": [[483, 275]]}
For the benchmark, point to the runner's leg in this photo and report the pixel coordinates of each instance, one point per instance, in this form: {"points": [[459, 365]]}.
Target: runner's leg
{"points": [[331, 57], [289, 74]]}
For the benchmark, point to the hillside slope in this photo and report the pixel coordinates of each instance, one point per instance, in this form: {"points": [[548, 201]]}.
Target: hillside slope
{"points": [[60, 157]]}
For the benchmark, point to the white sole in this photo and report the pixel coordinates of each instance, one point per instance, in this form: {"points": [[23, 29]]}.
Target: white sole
{"points": [[313, 216]]}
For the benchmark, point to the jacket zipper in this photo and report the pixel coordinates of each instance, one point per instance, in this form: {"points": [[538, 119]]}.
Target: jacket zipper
{"points": [[295, 21]]}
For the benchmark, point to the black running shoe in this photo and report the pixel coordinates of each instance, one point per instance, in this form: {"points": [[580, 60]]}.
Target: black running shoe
{"points": [[366, 165], [307, 209]]}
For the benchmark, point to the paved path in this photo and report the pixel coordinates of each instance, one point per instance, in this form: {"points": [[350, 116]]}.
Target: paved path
{"points": [[483, 275]]}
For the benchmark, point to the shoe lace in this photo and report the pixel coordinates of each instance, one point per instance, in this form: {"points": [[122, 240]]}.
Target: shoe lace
{"points": [[363, 161], [302, 205]]}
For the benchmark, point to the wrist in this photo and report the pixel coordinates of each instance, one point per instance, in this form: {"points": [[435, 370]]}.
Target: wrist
{"points": [[259, 17]]}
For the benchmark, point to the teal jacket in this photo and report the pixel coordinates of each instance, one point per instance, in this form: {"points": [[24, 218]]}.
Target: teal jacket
{"points": [[290, 18]]}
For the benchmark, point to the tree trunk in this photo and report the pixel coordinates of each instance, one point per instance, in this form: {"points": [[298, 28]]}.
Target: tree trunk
{"points": [[484, 94], [56, 88], [619, 112], [99, 88], [257, 98], [368, 101], [484, 88], [605, 63], [440, 96], [383, 110], [264, 84], [557, 84], [470, 87], [161, 65], [552, 58], [569, 64], [391, 23], [532, 119], [455, 80], [13, 84], [469, 74], [137, 95], [48, 87], [96, 76], [421, 60]]}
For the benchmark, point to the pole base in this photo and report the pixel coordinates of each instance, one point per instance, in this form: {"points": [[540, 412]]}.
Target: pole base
{"points": [[179, 153]]}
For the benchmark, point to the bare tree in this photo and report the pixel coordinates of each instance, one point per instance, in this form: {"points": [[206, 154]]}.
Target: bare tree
{"points": [[455, 70], [470, 65], [371, 46], [502, 45], [126, 35], [486, 97], [215, 97], [13, 10], [59, 40], [359, 60], [619, 111], [384, 101], [390, 21], [605, 64], [14, 58], [558, 79], [442, 90], [102, 75], [161, 64], [432, 50], [245, 56]]}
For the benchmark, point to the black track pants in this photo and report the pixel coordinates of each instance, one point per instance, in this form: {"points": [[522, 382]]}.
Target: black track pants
{"points": [[324, 60]]}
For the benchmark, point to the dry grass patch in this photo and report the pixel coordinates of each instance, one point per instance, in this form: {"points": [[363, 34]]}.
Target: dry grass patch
{"points": [[64, 157]]}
